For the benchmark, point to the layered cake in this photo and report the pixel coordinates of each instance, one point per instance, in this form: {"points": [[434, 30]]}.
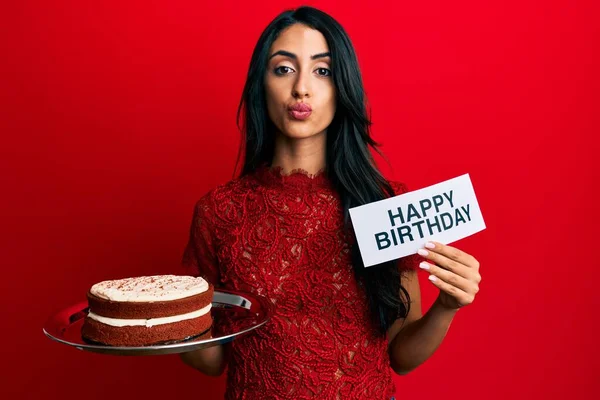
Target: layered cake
{"points": [[148, 310]]}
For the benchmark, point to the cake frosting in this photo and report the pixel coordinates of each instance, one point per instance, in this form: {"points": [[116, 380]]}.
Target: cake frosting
{"points": [[149, 322], [150, 288]]}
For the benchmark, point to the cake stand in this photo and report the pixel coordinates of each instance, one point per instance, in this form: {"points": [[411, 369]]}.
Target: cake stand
{"points": [[234, 314]]}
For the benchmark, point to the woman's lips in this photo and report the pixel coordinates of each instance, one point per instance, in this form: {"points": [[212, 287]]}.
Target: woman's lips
{"points": [[300, 111], [299, 115]]}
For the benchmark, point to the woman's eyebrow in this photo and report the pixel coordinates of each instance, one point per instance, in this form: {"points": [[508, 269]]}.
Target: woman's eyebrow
{"points": [[295, 57]]}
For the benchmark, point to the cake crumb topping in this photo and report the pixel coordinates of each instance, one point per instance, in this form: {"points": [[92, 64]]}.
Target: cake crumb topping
{"points": [[150, 288]]}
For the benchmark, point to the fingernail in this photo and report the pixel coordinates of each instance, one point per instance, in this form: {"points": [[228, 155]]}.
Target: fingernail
{"points": [[430, 245], [424, 265], [432, 278], [423, 252]]}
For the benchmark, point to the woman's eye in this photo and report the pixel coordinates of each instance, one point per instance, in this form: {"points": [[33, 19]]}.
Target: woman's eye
{"points": [[323, 71], [283, 70]]}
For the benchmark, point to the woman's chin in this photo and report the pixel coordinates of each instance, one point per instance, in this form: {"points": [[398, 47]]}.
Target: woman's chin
{"points": [[301, 133]]}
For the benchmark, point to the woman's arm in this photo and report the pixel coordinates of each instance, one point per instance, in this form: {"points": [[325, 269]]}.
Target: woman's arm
{"points": [[210, 361], [199, 259], [414, 339], [456, 274]]}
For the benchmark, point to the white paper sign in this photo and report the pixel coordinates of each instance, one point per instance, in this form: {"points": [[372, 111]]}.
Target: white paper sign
{"points": [[398, 226]]}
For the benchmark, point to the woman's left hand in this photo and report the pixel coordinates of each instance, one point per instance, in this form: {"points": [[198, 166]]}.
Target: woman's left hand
{"points": [[454, 272]]}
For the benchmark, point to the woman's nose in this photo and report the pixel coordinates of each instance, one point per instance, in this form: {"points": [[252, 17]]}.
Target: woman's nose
{"points": [[301, 87]]}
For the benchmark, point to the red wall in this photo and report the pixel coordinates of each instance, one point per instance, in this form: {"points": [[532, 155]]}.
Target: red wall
{"points": [[117, 116]]}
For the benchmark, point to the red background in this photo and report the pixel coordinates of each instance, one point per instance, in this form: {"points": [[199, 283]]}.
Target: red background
{"points": [[117, 116]]}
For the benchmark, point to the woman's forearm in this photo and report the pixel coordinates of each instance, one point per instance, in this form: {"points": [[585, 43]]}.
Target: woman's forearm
{"points": [[210, 361], [417, 341]]}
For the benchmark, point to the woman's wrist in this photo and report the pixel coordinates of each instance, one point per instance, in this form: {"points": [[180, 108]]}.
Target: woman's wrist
{"points": [[439, 309]]}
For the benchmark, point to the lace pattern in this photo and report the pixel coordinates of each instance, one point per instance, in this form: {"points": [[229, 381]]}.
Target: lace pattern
{"points": [[281, 236]]}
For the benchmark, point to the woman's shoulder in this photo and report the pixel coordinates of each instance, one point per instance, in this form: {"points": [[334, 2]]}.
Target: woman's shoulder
{"points": [[224, 193]]}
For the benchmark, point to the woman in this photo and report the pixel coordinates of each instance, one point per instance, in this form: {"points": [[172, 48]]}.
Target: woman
{"points": [[282, 230]]}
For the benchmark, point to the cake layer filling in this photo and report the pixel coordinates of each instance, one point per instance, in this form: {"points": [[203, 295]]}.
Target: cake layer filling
{"points": [[119, 322], [150, 288]]}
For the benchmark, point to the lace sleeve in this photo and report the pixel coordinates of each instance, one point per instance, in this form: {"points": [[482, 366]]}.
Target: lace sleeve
{"points": [[199, 257]]}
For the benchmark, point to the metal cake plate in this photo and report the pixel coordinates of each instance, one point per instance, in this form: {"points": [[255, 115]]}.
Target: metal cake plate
{"points": [[234, 315]]}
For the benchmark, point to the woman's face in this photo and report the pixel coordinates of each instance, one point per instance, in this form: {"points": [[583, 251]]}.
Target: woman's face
{"points": [[299, 87]]}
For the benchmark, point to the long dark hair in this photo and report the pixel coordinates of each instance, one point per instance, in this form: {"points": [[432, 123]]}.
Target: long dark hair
{"points": [[350, 165]]}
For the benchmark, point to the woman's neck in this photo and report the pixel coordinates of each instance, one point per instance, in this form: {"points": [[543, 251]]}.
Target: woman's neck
{"points": [[308, 154]]}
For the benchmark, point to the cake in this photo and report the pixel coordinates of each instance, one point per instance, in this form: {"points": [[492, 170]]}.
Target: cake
{"points": [[148, 310]]}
